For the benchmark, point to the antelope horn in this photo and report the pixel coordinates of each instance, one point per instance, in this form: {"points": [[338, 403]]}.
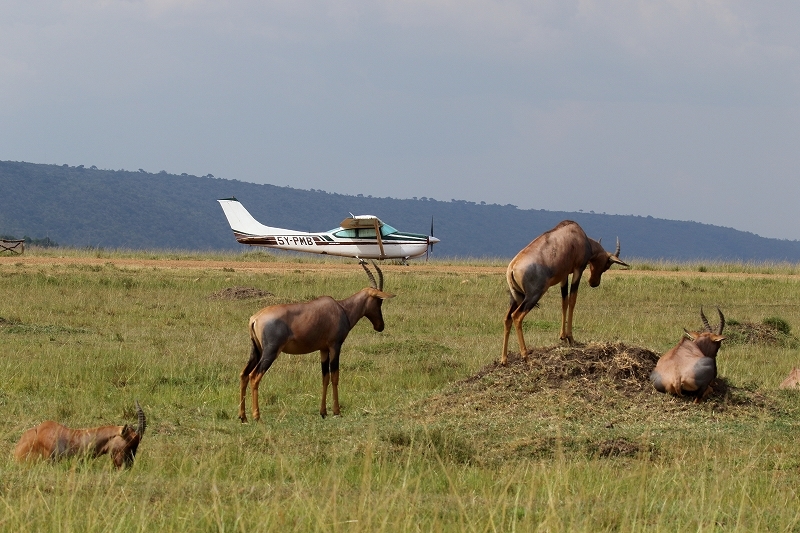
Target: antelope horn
{"points": [[721, 322], [369, 274], [142, 420], [706, 325], [615, 258], [380, 276]]}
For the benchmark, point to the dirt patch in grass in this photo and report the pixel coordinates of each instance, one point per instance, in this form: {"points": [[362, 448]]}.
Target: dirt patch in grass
{"points": [[240, 293], [619, 447]]}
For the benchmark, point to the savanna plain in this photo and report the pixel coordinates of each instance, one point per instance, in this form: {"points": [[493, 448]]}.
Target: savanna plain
{"points": [[434, 434]]}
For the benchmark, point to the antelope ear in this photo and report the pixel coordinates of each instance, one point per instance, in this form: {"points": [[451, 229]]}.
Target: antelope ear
{"points": [[617, 260], [124, 430], [688, 334], [717, 338], [375, 293]]}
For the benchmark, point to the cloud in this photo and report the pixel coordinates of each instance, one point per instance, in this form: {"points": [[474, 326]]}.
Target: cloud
{"points": [[619, 103]]}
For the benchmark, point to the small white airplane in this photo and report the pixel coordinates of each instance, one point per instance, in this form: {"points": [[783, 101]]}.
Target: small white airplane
{"points": [[362, 236]]}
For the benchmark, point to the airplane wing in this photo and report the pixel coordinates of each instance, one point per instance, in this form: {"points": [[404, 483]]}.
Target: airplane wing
{"points": [[361, 221]]}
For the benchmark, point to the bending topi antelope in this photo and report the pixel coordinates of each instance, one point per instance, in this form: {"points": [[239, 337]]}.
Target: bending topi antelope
{"points": [[691, 366], [50, 440], [549, 260], [321, 324]]}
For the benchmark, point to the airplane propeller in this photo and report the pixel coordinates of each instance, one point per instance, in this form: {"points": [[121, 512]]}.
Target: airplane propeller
{"points": [[431, 242]]}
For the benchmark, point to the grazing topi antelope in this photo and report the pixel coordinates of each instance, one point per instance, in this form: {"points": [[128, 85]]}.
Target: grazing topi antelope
{"points": [[321, 324], [50, 440], [691, 366], [549, 260]]}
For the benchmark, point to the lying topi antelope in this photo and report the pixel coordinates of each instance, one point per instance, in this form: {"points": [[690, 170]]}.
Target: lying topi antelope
{"points": [[50, 440], [691, 366], [792, 381], [321, 324], [549, 260]]}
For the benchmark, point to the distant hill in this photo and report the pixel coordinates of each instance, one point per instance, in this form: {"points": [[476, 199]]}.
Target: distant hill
{"points": [[79, 207]]}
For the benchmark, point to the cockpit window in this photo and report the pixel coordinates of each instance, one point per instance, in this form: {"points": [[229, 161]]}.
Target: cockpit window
{"points": [[360, 233], [364, 233]]}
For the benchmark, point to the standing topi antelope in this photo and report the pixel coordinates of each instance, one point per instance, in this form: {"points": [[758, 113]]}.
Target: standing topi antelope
{"points": [[50, 440], [691, 366], [321, 324], [549, 260]]}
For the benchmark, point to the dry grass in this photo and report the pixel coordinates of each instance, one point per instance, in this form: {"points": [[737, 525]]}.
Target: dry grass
{"points": [[434, 435]]}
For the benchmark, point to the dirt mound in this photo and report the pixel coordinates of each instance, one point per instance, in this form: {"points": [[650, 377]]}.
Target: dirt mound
{"points": [[598, 377], [626, 367], [240, 293], [764, 334], [593, 400]]}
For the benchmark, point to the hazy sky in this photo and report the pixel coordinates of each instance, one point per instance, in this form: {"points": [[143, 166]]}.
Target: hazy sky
{"points": [[681, 109]]}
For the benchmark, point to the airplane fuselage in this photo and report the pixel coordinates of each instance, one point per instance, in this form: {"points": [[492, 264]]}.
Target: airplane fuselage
{"points": [[364, 236], [397, 245]]}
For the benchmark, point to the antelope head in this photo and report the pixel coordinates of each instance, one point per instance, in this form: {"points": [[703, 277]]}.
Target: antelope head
{"points": [[123, 447], [602, 261], [376, 296]]}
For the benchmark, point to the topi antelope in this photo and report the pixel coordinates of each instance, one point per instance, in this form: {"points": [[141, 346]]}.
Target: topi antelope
{"points": [[321, 324], [691, 366], [549, 260], [50, 440]]}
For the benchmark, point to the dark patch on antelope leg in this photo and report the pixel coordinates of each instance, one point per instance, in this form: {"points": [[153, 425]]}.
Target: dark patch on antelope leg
{"points": [[325, 365], [518, 315], [573, 289], [268, 356], [244, 379], [255, 380], [335, 382], [573, 298], [507, 321], [564, 307]]}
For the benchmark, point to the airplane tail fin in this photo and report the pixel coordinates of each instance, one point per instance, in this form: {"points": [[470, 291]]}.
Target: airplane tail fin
{"points": [[242, 222]]}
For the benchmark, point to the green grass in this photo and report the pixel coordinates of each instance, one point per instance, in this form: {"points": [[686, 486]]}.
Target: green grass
{"points": [[415, 449]]}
